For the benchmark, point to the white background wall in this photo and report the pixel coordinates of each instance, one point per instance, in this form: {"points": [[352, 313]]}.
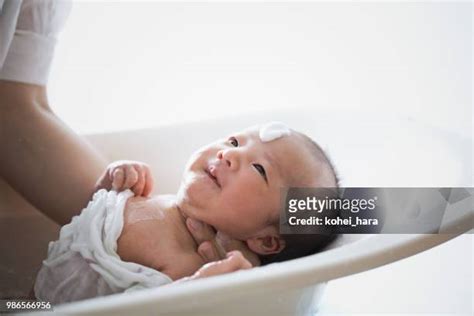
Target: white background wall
{"points": [[122, 65]]}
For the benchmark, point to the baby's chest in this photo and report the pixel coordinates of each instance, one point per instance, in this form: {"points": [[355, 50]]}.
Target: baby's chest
{"points": [[151, 236]]}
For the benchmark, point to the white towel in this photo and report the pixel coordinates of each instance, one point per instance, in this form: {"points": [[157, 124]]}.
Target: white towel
{"points": [[84, 263]]}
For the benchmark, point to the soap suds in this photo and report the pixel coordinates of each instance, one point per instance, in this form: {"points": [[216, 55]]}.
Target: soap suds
{"points": [[273, 130]]}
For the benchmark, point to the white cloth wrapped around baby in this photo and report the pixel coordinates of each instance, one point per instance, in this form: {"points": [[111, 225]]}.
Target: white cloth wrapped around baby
{"points": [[84, 262]]}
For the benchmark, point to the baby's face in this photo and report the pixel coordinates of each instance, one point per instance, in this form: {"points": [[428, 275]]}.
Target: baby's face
{"points": [[234, 183]]}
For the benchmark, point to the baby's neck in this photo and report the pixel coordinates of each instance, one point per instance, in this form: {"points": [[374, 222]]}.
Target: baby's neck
{"points": [[169, 202], [158, 215], [221, 246]]}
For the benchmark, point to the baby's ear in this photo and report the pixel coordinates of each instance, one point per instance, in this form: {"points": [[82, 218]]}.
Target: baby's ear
{"points": [[266, 245]]}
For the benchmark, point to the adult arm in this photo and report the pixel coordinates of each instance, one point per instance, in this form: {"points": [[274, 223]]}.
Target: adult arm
{"points": [[42, 158]]}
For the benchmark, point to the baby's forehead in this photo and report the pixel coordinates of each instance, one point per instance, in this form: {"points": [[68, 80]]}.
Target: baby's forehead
{"points": [[266, 132], [291, 138], [290, 153], [287, 143]]}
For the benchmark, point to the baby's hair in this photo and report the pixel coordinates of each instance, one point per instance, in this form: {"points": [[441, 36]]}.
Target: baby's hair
{"points": [[319, 154], [300, 245]]}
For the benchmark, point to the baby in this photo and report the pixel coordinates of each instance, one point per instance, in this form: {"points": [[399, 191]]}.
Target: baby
{"points": [[125, 240]]}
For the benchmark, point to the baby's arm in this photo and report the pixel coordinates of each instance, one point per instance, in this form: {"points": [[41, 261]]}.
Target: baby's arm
{"points": [[126, 174], [233, 262]]}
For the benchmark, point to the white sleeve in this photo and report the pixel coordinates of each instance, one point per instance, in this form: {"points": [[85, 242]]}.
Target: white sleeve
{"points": [[8, 16], [31, 50]]}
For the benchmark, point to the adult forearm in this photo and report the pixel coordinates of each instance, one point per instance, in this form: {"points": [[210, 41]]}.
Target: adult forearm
{"points": [[44, 160]]}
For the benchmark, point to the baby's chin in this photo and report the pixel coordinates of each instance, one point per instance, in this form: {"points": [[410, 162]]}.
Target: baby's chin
{"points": [[187, 204]]}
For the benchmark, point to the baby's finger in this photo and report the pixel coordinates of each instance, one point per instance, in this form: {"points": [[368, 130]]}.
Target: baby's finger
{"points": [[234, 261], [110, 171], [131, 177], [148, 182], [118, 177], [140, 184], [238, 260], [104, 182], [208, 252]]}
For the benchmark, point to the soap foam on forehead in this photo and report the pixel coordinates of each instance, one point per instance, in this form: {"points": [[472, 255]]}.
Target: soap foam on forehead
{"points": [[273, 130]]}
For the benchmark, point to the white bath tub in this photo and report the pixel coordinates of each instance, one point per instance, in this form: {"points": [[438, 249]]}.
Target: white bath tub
{"points": [[368, 150]]}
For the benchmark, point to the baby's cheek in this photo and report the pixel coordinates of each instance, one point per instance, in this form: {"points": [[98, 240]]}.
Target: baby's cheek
{"points": [[193, 188], [238, 216]]}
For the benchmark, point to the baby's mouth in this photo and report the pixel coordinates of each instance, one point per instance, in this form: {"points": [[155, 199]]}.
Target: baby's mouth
{"points": [[211, 173]]}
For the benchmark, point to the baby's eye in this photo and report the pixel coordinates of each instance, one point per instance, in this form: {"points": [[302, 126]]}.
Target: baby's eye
{"points": [[261, 170], [234, 141]]}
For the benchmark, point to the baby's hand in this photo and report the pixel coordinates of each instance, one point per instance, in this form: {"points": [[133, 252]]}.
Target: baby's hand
{"points": [[125, 174], [235, 261]]}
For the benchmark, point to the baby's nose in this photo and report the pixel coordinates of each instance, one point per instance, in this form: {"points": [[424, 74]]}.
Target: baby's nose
{"points": [[229, 157]]}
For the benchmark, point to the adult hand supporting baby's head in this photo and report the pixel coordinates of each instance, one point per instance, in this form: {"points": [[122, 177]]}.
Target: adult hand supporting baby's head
{"points": [[214, 246], [205, 238]]}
